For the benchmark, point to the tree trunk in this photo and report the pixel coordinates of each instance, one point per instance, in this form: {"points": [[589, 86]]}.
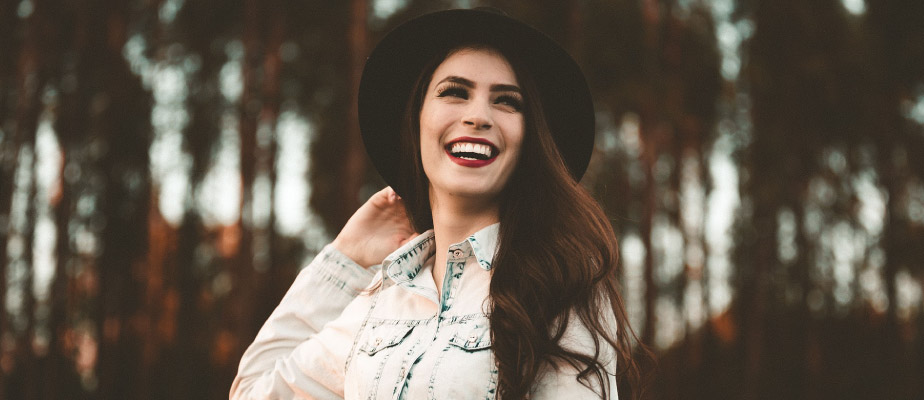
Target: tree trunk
{"points": [[57, 368], [268, 265], [354, 169], [242, 298], [119, 114], [31, 80], [649, 200]]}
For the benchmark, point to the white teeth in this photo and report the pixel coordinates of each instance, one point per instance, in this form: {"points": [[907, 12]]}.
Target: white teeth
{"points": [[465, 147]]}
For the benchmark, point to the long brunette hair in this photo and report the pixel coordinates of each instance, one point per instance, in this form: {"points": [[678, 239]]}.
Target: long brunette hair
{"points": [[556, 259]]}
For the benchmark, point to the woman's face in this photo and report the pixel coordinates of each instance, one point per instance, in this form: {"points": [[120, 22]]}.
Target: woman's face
{"points": [[471, 125]]}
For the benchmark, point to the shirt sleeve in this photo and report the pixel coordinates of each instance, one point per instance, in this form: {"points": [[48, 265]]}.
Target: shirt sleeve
{"points": [[562, 382], [301, 350]]}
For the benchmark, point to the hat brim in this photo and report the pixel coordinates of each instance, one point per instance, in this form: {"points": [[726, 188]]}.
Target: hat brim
{"points": [[394, 65]]}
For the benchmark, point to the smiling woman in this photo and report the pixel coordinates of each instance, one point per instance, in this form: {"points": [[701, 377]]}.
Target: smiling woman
{"points": [[483, 126], [471, 127]]}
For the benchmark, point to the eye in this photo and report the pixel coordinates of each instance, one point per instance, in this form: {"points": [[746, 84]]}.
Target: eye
{"points": [[452, 90], [514, 102]]}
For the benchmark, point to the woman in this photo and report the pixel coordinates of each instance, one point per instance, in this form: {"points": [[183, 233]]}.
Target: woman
{"points": [[483, 126]]}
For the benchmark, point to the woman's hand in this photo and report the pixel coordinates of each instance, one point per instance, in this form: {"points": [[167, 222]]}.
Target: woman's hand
{"points": [[376, 229]]}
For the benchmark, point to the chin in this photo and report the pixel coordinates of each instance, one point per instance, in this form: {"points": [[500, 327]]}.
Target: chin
{"points": [[472, 191]]}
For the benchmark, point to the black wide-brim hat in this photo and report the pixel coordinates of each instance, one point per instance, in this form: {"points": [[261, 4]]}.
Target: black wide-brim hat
{"points": [[394, 65]]}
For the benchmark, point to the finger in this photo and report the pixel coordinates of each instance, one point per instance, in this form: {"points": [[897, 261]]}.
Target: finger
{"points": [[386, 194], [382, 198]]}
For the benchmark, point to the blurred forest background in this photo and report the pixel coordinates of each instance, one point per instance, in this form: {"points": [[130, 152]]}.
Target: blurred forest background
{"points": [[167, 166]]}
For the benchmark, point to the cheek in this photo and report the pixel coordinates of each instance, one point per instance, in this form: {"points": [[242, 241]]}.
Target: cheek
{"points": [[514, 137], [429, 126], [429, 145], [426, 135]]}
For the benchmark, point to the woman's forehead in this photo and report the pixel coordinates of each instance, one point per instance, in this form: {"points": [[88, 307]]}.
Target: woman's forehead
{"points": [[477, 64]]}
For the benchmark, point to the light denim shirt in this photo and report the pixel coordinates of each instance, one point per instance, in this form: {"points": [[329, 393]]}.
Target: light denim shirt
{"points": [[330, 339]]}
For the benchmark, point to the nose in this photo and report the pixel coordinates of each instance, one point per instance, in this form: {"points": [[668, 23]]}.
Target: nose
{"points": [[478, 116]]}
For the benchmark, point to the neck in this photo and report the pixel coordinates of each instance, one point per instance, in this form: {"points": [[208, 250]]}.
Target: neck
{"points": [[454, 219]]}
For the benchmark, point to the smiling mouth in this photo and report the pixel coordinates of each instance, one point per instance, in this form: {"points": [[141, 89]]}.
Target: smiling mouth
{"points": [[471, 151]]}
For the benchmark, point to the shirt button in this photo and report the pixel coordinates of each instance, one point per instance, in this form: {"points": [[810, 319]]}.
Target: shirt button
{"points": [[378, 341]]}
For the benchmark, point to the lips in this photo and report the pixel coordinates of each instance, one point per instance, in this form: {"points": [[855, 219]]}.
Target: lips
{"points": [[471, 152]]}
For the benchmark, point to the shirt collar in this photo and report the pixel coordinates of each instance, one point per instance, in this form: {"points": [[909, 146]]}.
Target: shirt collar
{"points": [[484, 245], [403, 264]]}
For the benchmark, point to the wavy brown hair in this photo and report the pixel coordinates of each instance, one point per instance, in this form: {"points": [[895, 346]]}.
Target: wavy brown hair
{"points": [[556, 258]]}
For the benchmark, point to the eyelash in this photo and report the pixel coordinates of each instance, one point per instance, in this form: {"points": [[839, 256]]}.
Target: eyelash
{"points": [[456, 90], [511, 101]]}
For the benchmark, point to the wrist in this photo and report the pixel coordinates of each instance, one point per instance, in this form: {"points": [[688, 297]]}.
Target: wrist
{"points": [[350, 252]]}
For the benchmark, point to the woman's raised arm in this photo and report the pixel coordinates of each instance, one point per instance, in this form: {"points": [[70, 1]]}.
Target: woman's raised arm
{"points": [[301, 349]]}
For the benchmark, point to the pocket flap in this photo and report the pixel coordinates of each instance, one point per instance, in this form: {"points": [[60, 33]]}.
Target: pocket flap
{"points": [[472, 337], [384, 336]]}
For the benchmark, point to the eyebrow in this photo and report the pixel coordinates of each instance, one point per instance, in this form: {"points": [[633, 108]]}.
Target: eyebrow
{"points": [[499, 87]]}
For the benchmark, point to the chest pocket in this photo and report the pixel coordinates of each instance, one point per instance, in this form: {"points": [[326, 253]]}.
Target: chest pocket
{"points": [[472, 337], [466, 369], [384, 336]]}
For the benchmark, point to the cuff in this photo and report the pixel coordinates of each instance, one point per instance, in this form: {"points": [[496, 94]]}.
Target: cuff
{"points": [[342, 271]]}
